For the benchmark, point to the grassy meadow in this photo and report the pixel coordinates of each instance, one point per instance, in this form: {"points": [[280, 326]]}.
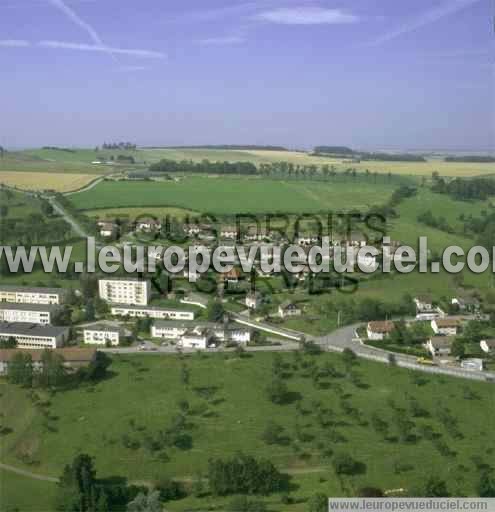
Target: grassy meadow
{"points": [[235, 195], [229, 410]]}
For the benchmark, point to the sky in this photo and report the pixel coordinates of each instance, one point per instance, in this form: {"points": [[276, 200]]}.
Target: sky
{"points": [[370, 74]]}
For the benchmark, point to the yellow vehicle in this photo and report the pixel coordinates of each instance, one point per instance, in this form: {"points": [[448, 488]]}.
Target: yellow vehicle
{"points": [[423, 360]]}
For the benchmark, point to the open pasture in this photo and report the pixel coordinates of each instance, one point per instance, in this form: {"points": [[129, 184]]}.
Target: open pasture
{"points": [[228, 408], [235, 195]]}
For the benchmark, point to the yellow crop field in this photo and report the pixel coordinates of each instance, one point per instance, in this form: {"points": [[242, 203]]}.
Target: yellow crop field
{"points": [[45, 181]]}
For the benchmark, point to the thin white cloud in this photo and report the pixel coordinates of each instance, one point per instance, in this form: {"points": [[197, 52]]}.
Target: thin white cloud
{"points": [[14, 43], [131, 69], [430, 16], [307, 16], [222, 41], [77, 20], [149, 54]]}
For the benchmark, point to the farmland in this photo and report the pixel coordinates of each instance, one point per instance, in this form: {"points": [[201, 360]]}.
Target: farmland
{"points": [[142, 394], [79, 161], [45, 180], [235, 195]]}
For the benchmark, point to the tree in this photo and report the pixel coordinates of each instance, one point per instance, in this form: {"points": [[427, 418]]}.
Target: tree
{"points": [[435, 488], [458, 348], [215, 311], [272, 433], [318, 503], [486, 485], [349, 358], [21, 369], [10, 342], [344, 464], [277, 391], [52, 372], [78, 491]]}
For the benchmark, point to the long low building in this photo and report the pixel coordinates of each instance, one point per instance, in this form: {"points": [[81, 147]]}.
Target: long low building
{"points": [[32, 295], [154, 312], [73, 357], [179, 331], [34, 336], [42, 314]]}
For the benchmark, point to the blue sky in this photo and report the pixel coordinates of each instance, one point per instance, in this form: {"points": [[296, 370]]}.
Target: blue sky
{"points": [[365, 73]]}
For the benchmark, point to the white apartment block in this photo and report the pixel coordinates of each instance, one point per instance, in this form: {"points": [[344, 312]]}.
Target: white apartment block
{"points": [[125, 291], [33, 335], [31, 295], [28, 313], [152, 312], [101, 334]]}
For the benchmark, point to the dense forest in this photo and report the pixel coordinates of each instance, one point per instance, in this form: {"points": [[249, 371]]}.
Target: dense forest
{"points": [[465, 189], [343, 151], [234, 147], [471, 159]]}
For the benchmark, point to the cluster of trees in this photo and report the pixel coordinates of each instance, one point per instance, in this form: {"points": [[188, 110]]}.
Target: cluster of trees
{"points": [[476, 159], [238, 147], [281, 170], [368, 309], [429, 219], [345, 151], [416, 334], [464, 189], [128, 146], [203, 167], [243, 474], [482, 227], [56, 148], [52, 372]]}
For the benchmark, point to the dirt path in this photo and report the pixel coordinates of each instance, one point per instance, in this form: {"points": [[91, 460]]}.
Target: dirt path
{"points": [[28, 474]]}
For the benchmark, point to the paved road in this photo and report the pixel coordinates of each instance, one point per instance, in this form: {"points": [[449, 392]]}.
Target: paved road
{"points": [[78, 229], [347, 338], [28, 474]]}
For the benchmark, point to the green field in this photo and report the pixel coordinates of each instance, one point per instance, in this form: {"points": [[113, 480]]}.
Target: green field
{"points": [[146, 390], [235, 195], [25, 494]]}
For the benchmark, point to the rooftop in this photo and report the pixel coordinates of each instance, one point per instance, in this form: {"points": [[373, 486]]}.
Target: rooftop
{"points": [[30, 289], [24, 328], [447, 322], [29, 307], [441, 341], [381, 326], [150, 308], [103, 327]]}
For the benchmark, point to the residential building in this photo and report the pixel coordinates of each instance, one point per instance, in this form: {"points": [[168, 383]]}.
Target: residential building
{"points": [[103, 334], [34, 335], [467, 304], [148, 225], [254, 300], [198, 338], [488, 346], [229, 232], [176, 331], [288, 309], [379, 330], [439, 345], [125, 290], [42, 314], [73, 358], [106, 228], [232, 276], [31, 295], [424, 303], [152, 312], [445, 326]]}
